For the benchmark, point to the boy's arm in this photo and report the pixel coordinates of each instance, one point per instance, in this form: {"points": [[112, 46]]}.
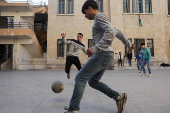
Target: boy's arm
{"points": [[63, 39], [124, 39], [141, 57], [84, 50], [149, 53], [65, 42]]}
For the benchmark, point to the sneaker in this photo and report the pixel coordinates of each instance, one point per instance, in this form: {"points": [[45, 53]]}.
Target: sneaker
{"points": [[149, 75], [66, 108], [121, 101], [68, 76], [140, 71], [71, 112], [143, 74]]}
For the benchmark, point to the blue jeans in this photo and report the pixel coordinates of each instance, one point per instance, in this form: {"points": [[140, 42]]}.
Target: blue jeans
{"points": [[144, 62], [129, 60], [139, 65], [92, 72]]}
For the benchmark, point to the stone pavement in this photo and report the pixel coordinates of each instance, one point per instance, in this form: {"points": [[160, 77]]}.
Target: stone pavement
{"points": [[30, 92]]}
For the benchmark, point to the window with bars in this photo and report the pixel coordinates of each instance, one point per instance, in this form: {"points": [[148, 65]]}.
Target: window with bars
{"points": [[61, 7], [168, 7], [68, 45], [137, 43], [70, 6], [148, 6], [126, 6], [60, 48], [137, 6], [90, 43], [150, 46], [100, 5], [126, 48]]}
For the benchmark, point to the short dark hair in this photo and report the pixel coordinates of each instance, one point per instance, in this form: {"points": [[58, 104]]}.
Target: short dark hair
{"points": [[139, 49], [90, 3], [142, 44], [80, 34]]}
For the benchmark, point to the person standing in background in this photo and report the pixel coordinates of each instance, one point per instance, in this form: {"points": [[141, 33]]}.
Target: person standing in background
{"points": [[138, 57], [145, 59], [120, 57], [129, 56]]}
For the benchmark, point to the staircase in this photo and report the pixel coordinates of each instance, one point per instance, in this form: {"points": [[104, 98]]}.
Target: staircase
{"points": [[7, 65]]}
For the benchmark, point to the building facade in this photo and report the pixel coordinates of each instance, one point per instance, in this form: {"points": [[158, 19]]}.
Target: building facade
{"points": [[22, 35], [145, 21]]}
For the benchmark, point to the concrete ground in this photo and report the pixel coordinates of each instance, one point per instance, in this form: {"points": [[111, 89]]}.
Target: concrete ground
{"points": [[30, 92]]}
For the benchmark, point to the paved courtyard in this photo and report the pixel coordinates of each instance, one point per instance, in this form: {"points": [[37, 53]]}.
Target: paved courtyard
{"points": [[30, 92]]}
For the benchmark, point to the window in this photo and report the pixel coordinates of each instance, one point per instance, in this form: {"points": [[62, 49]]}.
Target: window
{"points": [[137, 6], [168, 7], [126, 6], [137, 43], [100, 5], [61, 7], [150, 46], [90, 43], [60, 49], [70, 6], [148, 6], [68, 45], [126, 48]]}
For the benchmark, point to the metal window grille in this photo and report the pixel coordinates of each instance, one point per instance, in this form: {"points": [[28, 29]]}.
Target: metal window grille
{"points": [[126, 6], [137, 43], [60, 49], [126, 48], [137, 6], [70, 6], [168, 7], [100, 5], [150, 46], [148, 6], [61, 7], [90, 43]]}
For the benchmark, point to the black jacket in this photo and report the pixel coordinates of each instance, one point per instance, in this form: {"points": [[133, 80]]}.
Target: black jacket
{"points": [[129, 56]]}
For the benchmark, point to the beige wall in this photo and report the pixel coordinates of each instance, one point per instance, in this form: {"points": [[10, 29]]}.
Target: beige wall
{"points": [[20, 16], [154, 26]]}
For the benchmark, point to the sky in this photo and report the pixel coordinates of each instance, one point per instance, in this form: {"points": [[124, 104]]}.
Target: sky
{"points": [[38, 1], [34, 1]]}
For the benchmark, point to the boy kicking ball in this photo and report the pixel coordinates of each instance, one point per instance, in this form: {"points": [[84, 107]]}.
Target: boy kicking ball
{"points": [[74, 49], [102, 58]]}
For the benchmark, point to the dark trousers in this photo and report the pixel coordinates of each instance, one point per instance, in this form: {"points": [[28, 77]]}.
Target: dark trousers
{"points": [[119, 61], [72, 60]]}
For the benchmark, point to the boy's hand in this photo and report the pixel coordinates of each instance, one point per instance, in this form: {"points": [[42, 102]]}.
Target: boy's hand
{"points": [[63, 35], [133, 47], [140, 61], [90, 51]]}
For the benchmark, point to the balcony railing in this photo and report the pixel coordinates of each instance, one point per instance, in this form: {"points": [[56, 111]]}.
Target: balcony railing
{"points": [[16, 25], [40, 4]]}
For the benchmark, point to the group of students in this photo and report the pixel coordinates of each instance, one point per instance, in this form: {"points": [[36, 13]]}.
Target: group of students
{"points": [[143, 57], [102, 57]]}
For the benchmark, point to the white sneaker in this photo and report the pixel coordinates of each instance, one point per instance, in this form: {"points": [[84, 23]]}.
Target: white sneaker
{"points": [[149, 75], [71, 112], [143, 74]]}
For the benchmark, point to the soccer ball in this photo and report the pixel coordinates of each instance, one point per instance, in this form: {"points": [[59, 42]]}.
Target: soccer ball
{"points": [[57, 86]]}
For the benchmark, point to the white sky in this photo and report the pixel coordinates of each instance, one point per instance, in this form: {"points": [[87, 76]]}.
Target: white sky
{"points": [[38, 1], [34, 1]]}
